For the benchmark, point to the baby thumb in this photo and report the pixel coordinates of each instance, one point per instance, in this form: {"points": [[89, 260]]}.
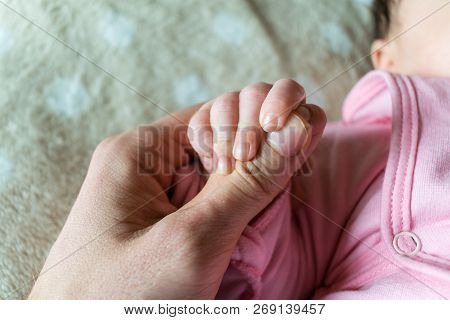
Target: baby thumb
{"points": [[233, 200]]}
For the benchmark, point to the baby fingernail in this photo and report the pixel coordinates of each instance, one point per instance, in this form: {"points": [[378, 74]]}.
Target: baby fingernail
{"points": [[271, 122], [224, 165], [241, 151]]}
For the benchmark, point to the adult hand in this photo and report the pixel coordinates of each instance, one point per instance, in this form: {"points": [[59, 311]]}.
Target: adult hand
{"points": [[124, 239]]}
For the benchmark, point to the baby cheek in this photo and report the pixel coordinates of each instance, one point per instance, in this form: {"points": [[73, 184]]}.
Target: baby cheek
{"points": [[425, 50], [432, 62]]}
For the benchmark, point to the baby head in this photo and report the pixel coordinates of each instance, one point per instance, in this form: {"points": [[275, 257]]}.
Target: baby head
{"points": [[412, 37]]}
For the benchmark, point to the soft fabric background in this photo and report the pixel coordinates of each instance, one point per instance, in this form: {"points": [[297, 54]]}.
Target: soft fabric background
{"points": [[59, 99]]}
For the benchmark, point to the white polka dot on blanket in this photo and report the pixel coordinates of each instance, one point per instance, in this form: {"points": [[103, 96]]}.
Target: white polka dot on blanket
{"points": [[117, 29], [66, 97], [313, 91], [189, 90], [336, 38], [6, 169], [230, 28], [5, 40]]}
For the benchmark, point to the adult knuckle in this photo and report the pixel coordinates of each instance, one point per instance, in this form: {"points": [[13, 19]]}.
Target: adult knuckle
{"points": [[106, 148], [109, 158]]}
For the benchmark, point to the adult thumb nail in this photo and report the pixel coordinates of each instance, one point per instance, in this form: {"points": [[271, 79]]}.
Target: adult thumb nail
{"points": [[292, 138]]}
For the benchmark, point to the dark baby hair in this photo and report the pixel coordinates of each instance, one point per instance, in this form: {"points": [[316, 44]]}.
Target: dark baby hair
{"points": [[382, 14]]}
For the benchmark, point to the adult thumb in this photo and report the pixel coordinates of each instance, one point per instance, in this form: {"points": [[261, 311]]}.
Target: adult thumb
{"points": [[228, 203]]}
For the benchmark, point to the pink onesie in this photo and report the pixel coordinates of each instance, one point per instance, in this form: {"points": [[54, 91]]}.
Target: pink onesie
{"points": [[372, 220]]}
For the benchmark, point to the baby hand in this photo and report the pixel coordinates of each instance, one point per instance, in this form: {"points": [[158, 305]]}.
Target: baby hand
{"points": [[232, 126]]}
